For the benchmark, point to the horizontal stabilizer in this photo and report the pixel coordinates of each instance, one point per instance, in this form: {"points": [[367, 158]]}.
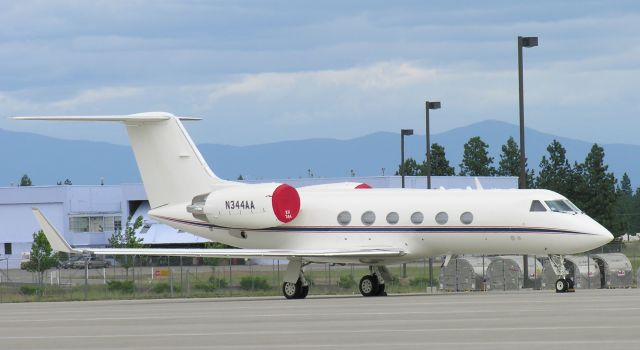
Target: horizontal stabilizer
{"points": [[138, 117]]}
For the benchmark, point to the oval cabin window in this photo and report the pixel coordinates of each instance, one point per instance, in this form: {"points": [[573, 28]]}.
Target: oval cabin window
{"points": [[344, 218], [442, 218], [466, 218], [393, 218], [417, 218], [368, 218]]}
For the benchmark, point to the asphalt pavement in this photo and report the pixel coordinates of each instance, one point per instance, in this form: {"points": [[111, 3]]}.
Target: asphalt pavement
{"points": [[587, 319]]}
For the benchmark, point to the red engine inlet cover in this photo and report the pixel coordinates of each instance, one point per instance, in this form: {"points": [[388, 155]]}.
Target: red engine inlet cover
{"points": [[285, 202]]}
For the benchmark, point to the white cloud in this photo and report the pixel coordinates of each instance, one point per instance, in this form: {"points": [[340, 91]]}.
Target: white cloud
{"points": [[95, 96]]}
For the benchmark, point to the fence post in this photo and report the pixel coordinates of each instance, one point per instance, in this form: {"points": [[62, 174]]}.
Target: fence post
{"points": [[170, 277], [230, 279]]}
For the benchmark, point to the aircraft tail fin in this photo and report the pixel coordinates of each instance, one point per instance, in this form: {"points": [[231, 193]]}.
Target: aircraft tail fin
{"points": [[58, 243], [172, 169]]}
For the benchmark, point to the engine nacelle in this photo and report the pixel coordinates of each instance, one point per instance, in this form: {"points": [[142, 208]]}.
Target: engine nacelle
{"points": [[252, 206]]}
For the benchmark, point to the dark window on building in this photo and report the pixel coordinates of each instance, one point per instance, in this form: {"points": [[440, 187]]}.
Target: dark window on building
{"points": [[8, 249]]}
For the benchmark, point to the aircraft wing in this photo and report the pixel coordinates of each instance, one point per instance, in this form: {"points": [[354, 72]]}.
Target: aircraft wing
{"points": [[58, 243]]}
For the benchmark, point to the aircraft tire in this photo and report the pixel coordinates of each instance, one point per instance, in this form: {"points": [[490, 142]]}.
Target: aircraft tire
{"points": [[381, 292], [304, 290], [562, 285], [291, 290], [570, 283], [369, 286]]}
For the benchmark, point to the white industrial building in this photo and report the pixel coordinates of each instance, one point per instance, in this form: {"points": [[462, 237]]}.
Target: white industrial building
{"points": [[88, 215]]}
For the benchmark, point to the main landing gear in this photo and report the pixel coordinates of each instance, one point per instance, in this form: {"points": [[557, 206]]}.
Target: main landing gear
{"points": [[373, 284], [295, 286], [295, 290], [564, 284]]}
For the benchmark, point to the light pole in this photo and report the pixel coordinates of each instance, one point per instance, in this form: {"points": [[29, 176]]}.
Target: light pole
{"points": [[527, 41], [429, 105], [403, 133]]}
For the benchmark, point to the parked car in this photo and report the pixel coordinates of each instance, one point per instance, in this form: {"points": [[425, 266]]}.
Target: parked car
{"points": [[94, 263], [67, 264]]}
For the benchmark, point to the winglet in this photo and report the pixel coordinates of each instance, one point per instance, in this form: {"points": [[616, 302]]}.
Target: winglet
{"points": [[58, 243]]}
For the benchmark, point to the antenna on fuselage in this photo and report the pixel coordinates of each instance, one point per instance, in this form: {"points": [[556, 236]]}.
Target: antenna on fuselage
{"points": [[478, 184]]}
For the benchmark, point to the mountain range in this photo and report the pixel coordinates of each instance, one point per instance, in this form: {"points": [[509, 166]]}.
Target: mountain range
{"points": [[48, 160]]}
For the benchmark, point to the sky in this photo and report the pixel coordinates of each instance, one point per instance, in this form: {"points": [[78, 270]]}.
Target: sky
{"points": [[267, 71]]}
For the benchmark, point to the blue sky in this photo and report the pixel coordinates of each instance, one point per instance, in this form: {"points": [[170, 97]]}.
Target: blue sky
{"points": [[265, 71]]}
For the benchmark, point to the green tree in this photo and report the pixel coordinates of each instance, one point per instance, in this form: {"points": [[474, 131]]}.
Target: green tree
{"points": [[598, 190], [127, 239], [25, 180], [509, 164], [66, 182], [439, 163], [476, 160], [42, 257], [411, 168], [625, 209], [240, 177], [634, 218], [556, 173], [625, 186]]}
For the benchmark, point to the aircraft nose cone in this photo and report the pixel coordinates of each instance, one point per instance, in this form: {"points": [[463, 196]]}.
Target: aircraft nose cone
{"points": [[604, 236], [607, 236]]}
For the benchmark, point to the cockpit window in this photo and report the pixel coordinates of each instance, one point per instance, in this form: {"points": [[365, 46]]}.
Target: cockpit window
{"points": [[563, 206], [573, 206], [537, 206]]}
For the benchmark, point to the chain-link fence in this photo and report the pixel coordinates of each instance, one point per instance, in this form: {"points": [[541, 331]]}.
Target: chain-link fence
{"points": [[147, 277]]}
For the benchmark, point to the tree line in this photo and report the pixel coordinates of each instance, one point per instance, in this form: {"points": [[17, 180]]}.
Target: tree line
{"points": [[589, 184]]}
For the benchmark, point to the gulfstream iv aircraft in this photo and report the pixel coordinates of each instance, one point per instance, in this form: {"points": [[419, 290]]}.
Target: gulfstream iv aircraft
{"points": [[344, 223]]}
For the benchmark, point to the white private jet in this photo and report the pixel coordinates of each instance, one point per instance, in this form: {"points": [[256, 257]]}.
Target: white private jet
{"points": [[345, 223]]}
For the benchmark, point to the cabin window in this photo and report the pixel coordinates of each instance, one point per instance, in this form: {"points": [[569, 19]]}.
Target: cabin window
{"points": [[393, 218], [344, 218], [466, 218], [417, 218], [537, 206], [8, 250], [442, 218], [368, 218]]}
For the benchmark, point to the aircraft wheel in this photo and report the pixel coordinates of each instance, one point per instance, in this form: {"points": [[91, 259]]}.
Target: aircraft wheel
{"points": [[381, 292], [291, 290], [304, 290], [369, 286], [562, 285], [570, 283]]}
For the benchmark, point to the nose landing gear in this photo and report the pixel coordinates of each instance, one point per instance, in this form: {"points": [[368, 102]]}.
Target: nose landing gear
{"points": [[564, 284]]}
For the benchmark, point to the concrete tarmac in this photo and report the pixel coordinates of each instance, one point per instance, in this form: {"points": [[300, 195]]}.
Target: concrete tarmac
{"points": [[587, 319]]}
